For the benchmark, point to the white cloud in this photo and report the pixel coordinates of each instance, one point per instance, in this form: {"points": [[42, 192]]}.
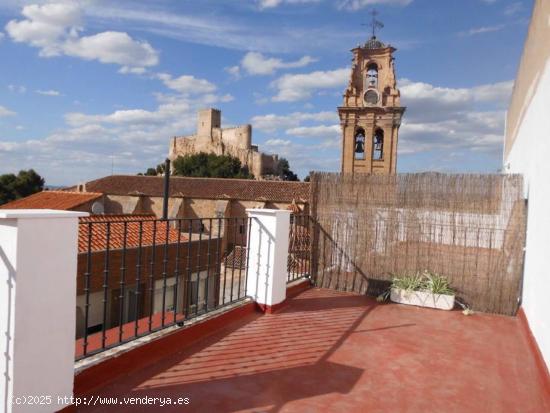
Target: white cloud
{"points": [[187, 84], [495, 92], [482, 30], [45, 26], [513, 8], [272, 122], [17, 88], [353, 5], [467, 119], [133, 70], [6, 112], [255, 63], [321, 152], [133, 138], [48, 92], [55, 29], [318, 132], [301, 86], [223, 31], [269, 4], [278, 142], [428, 103], [113, 47], [319, 156], [234, 71]]}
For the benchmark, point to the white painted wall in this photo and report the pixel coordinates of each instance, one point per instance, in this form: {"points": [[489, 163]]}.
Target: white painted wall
{"points": [[530, 156], [268, 255], [38, 254]]}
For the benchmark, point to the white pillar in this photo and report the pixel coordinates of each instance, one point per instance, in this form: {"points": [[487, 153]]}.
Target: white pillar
{"points": [[268, 249], [38, 257]]}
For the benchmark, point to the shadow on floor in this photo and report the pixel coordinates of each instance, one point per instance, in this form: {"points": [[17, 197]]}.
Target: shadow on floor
{"points": [[264, 364]]}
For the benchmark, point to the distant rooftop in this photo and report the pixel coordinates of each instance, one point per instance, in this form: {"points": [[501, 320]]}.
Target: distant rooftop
{"points": [[211, 188], [60, 200], [152, 232]]}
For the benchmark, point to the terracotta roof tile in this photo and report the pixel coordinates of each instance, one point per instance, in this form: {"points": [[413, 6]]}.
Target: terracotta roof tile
{"points": [[148, 225], [60, 200], [210, 188]]}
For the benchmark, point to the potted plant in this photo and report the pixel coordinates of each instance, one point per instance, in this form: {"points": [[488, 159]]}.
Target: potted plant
{"points": [[424, 289]]}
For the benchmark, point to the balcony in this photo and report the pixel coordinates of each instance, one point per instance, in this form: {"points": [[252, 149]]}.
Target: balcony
{"points": [[230, 321], [335, 351]]}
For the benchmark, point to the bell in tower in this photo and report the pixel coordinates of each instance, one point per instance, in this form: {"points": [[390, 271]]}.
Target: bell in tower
{"points": [[371, 112]]}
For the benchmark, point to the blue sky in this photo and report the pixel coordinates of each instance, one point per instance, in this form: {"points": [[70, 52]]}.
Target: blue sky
{"points": [[87, 87]]}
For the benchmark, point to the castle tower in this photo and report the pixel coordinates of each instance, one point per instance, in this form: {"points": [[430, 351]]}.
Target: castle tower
{"points": [[208, 120], [371, 113]]}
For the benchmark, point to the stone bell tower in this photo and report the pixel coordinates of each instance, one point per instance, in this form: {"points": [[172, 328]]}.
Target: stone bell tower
{"points": [[371, 113]]}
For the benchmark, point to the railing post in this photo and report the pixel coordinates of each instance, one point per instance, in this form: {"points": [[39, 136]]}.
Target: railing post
{"points": [[38, 258], [268, 257]]}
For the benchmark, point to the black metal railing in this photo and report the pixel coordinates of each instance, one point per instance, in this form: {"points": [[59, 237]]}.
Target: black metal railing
{"points": [[299, 247], [138, 274]]}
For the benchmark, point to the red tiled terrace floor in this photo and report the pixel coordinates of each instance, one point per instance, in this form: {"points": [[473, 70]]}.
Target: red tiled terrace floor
{"points": [[328, 351]]}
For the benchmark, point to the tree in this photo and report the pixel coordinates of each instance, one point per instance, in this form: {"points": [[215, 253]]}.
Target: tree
{"points": [[23, 184], [209, 165], [308, 178], [159, 170], [284, 172]]}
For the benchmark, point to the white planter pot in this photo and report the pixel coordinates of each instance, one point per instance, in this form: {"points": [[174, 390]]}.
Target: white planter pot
{"points": [[422, 299]]}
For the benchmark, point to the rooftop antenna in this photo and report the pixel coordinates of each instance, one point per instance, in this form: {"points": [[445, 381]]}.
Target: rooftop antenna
{"points": [[374, 24]]}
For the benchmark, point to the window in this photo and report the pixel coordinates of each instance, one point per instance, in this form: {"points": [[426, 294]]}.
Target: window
{"points": [[360, 144], [372, 75], [378, 145]]}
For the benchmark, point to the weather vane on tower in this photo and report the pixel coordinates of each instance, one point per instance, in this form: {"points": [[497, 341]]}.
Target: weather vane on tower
{"points": [[374, 24]]}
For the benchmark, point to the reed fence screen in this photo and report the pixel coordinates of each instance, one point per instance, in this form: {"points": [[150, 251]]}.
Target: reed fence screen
{"points": [[469, 228]]}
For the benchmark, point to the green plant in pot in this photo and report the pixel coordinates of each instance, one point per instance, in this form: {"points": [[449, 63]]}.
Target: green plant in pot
{"points": [[424, 289]]}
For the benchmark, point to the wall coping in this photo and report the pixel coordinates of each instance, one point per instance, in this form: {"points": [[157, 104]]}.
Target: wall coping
{"points": [[266, 211], [39, 213]]}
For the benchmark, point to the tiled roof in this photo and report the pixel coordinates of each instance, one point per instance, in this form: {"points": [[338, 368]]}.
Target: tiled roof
{"points": [[148, 224], [210, 188], [60, 200]]}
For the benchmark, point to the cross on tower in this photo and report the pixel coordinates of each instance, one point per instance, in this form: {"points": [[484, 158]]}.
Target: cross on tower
{"points": [[374, 24]]}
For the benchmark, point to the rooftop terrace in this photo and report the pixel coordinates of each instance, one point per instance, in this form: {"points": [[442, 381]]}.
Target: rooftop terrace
{"points": [[332, 351]]}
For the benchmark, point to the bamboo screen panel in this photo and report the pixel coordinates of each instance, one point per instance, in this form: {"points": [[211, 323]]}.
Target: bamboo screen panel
{"points": [[469, 228]]}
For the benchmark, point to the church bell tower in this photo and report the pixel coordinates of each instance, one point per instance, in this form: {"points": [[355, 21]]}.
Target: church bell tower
{"points": [[371, 112]]}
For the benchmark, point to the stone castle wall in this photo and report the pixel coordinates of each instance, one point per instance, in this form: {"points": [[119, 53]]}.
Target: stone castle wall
{"points": [[235, 141]]}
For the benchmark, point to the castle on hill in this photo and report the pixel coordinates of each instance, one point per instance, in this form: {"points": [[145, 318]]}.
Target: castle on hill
{"points": [[235, 141]]}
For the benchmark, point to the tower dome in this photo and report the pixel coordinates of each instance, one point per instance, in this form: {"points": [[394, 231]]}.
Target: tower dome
{"points": [[374, 43]]}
